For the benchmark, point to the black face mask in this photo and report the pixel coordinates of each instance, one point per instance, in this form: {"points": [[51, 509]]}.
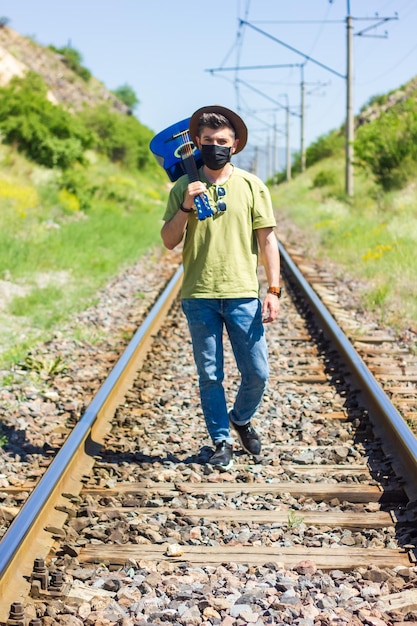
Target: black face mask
{"points": [[215, 157]]}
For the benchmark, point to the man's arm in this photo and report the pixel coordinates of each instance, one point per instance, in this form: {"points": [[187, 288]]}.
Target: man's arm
{"points": [[268, 247], [173, 231]]}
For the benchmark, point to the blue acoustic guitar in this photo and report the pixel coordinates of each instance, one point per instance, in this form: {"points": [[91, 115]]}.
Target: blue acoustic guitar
{"points": [[178, 155]]}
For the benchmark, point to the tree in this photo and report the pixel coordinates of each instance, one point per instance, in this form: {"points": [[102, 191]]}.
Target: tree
{"points": [[126, 94]]}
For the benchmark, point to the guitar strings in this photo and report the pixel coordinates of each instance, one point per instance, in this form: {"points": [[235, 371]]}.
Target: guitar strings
{"points": [[186, 147]]}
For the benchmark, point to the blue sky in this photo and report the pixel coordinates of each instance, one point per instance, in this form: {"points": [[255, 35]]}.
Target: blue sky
{"points": [[164, 50]]}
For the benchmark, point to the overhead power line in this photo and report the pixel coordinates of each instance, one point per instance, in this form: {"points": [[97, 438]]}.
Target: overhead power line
{"points": [[306, 56]]}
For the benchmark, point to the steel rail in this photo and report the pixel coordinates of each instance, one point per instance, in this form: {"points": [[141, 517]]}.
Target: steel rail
{"points": [[18, 543], [399, 442]]}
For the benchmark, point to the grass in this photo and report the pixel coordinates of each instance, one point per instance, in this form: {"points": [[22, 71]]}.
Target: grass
{"points": [[54, 257], [371, 236]]}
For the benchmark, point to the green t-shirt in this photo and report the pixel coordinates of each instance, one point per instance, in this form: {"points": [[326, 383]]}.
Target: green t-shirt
{"points": [[220, 253]]}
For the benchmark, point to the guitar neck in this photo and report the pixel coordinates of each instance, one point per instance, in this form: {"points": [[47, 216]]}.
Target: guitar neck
{"points": [[190, 168]]}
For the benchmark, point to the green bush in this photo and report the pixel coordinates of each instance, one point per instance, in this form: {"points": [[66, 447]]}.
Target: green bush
{"points": [[122, 138], [324, 178], [73, 59], [126, 94], [45, 133], [55, 138], [325, 146], [374, 101], [77, 182], [388, 145]]}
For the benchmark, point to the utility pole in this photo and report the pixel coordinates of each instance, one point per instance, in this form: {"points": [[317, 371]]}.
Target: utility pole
{"points": [[302, 122], [307, 58], [288, 140], [289, 112], [350, 119], [350, 123], [348, 77], [287, 134], [274, 152], [254, 167], [268, 158]]}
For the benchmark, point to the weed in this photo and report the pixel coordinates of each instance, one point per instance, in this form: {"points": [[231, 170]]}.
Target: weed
{"points": [[3, 439], [44, 366], [88, 335], [126, 335], [324, 178], [376, 297], [411, 423], [376, 252], [8, 379], [294, 520]]}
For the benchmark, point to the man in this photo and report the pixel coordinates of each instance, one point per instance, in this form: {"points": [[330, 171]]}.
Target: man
{"points": [[220, 286]]}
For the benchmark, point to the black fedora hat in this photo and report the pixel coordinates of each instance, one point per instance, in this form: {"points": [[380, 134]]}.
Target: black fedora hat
{"points": [[238, 124]]}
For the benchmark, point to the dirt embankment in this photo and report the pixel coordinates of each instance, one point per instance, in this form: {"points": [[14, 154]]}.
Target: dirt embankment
{"points": [[20, 54]]}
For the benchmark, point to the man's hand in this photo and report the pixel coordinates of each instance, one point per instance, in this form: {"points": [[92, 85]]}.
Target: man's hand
{"points": [[270, 308], [194, 189]]}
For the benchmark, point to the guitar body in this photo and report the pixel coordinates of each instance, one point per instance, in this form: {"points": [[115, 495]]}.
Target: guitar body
{"points": [[167, 145], [178, 155]]}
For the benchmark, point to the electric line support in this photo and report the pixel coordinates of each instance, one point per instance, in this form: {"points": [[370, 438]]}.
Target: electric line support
{"points": [[288, 111], [348, 77], [287, 108], [350, 119], [302, 85], [302, 122]]}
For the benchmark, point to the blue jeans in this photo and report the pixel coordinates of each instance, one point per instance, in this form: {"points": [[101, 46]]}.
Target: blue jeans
{"points": [[242, 319]]}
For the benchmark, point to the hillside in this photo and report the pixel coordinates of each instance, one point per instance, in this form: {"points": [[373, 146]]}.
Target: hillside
{"points": [[381, 104], [80, 192], [20, 54], [67, 228]]}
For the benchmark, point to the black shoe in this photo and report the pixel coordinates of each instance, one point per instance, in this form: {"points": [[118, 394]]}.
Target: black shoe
{"points": [[222, 457], [249, 438]]}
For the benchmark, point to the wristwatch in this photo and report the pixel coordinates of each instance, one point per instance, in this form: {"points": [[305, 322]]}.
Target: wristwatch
{"points": [[277, 291]]}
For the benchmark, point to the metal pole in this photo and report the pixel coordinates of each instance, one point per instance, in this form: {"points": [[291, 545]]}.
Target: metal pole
{"points": [[302, 121], [288, 143], [349, 106], [268, 158], [275, 158], [255, 161]]}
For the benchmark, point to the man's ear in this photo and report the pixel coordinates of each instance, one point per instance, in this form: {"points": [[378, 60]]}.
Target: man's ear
{"points": [[234, 147]]}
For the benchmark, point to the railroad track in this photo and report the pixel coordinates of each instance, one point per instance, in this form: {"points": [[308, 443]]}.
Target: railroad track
{"points": [[130, 491]]}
